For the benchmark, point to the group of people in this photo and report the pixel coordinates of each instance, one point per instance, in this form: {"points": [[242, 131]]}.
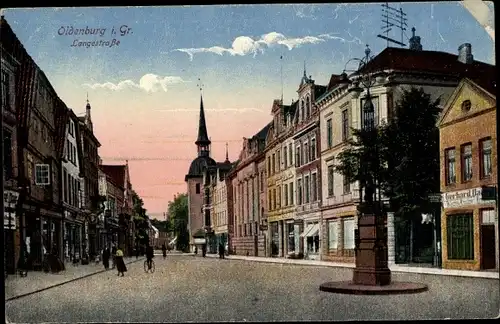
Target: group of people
{"points": [[116, 255], [222, 250]]}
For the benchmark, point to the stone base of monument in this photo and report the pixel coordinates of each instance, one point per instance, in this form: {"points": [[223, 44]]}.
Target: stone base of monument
{"points": [[394, 288], [371, 275]]}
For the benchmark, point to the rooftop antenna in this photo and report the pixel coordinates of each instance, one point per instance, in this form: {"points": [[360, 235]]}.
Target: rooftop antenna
{"points": [[393, 17]]}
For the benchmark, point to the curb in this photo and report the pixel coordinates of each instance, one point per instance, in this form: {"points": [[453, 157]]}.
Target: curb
{"points": [[63, 283], [423, 271]]}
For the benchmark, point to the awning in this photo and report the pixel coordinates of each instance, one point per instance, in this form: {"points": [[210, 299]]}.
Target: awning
{"points": [[314, 231], [307, 230]]}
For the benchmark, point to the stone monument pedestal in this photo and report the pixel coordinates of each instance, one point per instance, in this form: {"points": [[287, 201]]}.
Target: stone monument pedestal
{"points": [[372, 275]]}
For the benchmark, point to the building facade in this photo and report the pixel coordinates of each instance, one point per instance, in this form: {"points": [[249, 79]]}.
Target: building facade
{"points": [[90, 187], [41, 151], [71, 175], [113, 194], [469, 218], [9, 70], [281, 180], [119, 194], [340, 197], [248, 239], [220, 205], [307, 144]]}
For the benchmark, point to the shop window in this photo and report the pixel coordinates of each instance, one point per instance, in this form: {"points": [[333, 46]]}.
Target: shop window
{"points": [[460, 237], [291, 238], [332, 235], [349, 225]]}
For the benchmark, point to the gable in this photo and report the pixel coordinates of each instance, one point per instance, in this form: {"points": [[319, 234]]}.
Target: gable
{"points": [[466, 90]]}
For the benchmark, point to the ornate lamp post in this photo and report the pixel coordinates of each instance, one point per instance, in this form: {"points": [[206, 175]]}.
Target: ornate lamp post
{"points": [[371, 274]]}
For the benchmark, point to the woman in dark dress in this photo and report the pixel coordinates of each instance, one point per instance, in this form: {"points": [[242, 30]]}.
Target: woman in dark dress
{"points": [[120, 264]]}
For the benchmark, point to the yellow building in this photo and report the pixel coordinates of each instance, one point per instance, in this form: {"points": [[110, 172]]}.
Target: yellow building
{"points": [[469, 220], [280, 180]]}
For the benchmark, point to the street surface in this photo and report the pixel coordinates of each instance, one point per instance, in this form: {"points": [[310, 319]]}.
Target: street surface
{"points": [[187, 288]]}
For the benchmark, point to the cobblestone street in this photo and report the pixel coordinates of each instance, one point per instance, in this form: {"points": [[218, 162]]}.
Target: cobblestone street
{"points": [[188, 288]]}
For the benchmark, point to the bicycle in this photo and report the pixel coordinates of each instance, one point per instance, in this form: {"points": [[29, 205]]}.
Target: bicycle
{"points": [[148, 268]]}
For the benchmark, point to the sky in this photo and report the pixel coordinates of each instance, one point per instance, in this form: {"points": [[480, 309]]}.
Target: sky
{"points": [[141, 66]]}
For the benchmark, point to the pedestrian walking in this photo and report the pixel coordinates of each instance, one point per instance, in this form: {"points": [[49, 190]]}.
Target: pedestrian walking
{"points": [[113, 256], [120, 263], [204, 250], [164, 250], [221, 251], [105, 258]]}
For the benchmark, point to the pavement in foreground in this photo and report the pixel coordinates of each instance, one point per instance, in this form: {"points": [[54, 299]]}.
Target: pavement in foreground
{"points": [[188, 288]]}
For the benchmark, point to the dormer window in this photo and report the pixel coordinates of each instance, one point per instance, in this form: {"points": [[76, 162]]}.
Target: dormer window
{"points": [[466, 105]]}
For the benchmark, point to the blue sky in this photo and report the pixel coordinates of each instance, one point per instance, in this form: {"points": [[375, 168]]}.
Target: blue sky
{"points": [[147, 85]]}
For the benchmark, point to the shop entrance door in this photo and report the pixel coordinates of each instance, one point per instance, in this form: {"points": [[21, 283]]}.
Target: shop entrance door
{"points": [[488, 256]]}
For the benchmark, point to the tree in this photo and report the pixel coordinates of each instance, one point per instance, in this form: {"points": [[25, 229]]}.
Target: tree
{"points": [[178, 211], [411, 140], [403, 155], [140, 219]]}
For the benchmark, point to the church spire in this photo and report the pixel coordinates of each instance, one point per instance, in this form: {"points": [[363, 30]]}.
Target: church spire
{"points": [[88, 119], [227, 154], [203, 142]]}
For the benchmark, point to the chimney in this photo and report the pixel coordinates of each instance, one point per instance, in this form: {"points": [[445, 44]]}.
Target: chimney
{"points": [[415, 41], [465, 53]]}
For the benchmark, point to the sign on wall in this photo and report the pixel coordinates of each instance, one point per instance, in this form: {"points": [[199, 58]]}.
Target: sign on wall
{"points": [[461, 198]]}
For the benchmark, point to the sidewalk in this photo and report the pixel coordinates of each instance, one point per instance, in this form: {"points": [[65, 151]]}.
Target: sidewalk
{"points": [[393, 268], [36, 281]]}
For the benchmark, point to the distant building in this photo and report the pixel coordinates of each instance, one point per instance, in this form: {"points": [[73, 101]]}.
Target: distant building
{"points": [[215, 186], [90, 185], [469, 222], [247, 182], [119, 177]]}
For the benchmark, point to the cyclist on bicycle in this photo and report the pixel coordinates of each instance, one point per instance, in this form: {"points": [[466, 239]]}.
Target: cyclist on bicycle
{"points": [[150, 254]]}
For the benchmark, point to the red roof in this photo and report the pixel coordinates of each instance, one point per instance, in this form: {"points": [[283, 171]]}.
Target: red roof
{"points": [[403, 59], [116, 173]]}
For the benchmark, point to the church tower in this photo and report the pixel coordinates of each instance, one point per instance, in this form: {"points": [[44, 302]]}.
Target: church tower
{"points": [[194, 179]]}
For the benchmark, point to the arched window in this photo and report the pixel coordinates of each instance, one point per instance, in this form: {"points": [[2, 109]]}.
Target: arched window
{"points": [[308, 107]]}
